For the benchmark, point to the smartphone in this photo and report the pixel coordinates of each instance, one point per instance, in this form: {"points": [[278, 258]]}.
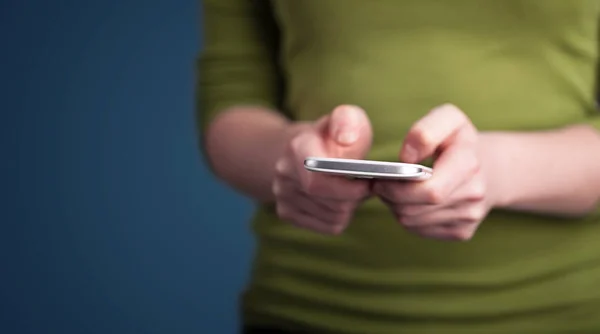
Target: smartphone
{"points": [[368, 169]]}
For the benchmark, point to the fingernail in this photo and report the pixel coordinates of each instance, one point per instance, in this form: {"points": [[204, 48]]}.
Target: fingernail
{"points": [[347, 137], [346, 133], [280, 166]]}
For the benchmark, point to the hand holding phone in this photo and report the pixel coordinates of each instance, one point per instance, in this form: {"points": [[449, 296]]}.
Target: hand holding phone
{"points": [[317, 201], [452, 204]]}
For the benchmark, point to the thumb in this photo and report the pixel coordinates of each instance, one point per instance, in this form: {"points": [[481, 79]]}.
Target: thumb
{"points": [[348, 132], [441, 127]]}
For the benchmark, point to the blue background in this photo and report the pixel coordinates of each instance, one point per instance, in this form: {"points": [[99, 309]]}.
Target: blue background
{"points": [[111, 223]]}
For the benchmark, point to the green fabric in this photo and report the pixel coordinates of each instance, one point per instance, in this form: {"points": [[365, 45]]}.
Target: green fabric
{"points": [[510, 65]]}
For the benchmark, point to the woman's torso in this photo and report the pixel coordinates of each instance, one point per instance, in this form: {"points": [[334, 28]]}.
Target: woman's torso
{"points": [[510, 65]]}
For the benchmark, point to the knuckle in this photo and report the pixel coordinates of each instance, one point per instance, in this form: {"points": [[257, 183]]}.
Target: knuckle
{"points": [[295, 144], [360, 191], [284, 212], [276, 188], [453, 111], [332, 218], [478, 191], [340, 218], [435, 195], [395, 194], [337, 229], [462, 234], [403, 220], [280, 167], [382, 190], [475, 214], [400, 219], [406, 211], [419, 231], [311, 187], [345, 207], [471, 215], [450, 108], [422, 137], [400, 212], [471, 163], [406, 222]]}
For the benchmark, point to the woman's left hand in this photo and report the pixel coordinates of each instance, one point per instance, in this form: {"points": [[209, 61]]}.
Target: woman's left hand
{"points": [[453, 202]]}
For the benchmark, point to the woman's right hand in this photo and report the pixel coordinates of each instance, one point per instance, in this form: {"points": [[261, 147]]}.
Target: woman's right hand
{"points": [[320, 202]]}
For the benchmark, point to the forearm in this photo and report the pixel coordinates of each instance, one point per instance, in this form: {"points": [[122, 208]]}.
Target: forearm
{"points": [[242, 145], [555, 172]]}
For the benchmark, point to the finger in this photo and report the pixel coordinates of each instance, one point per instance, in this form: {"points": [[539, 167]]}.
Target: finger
{"points": [[394, 192], [348, 133], [322, 213], [413, 210], [320, 184], [306, 221], [406, 194], [331, 213], [449, 232], [454, 169], [436, 130], [469, 213], [331, 204], [473, 190], [334, 188], [285, 168], [308, 144]]}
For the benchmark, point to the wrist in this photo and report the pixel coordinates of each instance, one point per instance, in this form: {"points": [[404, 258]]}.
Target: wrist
{"points": [[549, 172], [496, 164]]}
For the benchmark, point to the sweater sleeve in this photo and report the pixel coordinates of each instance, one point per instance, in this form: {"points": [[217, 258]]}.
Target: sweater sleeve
{"points": [[238, 63]]}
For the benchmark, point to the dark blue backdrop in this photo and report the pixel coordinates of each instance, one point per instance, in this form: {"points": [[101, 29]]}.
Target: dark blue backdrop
{"points": [[110, 221]]}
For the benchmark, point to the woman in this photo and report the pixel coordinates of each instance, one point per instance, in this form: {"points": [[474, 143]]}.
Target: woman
{"points": [[498, 95]]}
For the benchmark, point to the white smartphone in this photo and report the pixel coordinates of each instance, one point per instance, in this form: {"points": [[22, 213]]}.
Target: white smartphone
{"points": [[368, 169]]}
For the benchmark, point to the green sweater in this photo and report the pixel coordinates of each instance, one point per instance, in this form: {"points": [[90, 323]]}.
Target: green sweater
{"points": [[520, 65]]}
